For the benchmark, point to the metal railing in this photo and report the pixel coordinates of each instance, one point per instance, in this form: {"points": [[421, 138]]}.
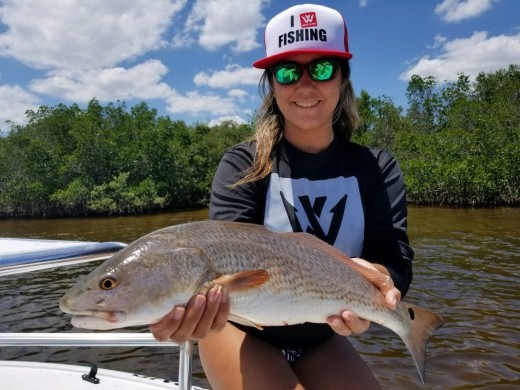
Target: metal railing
{"points": [[104, 340]]}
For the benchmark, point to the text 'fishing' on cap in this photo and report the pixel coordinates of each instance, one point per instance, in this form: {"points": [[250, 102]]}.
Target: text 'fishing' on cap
{"points": [[304, 29]]}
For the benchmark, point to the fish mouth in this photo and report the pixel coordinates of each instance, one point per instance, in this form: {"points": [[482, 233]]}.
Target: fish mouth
{"points": [[106, 315], [98, 320], [110, 316]]}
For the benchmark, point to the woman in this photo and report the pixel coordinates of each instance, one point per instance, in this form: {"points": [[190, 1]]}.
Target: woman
{"points": [[301, 173]]}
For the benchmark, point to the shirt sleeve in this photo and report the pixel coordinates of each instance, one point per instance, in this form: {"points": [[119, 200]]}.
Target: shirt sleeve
{"points": [[243, 203], [386, 241]]}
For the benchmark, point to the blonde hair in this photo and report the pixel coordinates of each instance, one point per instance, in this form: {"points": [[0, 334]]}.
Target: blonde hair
{"points": [[270, 123]]}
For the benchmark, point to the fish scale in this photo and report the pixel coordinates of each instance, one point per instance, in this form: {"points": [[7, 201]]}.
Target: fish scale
{"points": [[273, 279]]}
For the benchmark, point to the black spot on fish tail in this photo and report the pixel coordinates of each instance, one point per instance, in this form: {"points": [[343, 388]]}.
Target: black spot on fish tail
{"points": [[423, 323]]}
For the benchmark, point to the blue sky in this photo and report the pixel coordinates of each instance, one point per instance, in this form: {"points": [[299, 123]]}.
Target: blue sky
{"points": [[192, 60]]}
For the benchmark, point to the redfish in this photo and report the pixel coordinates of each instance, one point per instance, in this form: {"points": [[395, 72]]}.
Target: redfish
{"points": [[272, 278]]}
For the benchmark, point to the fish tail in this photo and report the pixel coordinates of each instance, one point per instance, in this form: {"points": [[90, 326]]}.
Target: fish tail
{"points": [[423, 323]]}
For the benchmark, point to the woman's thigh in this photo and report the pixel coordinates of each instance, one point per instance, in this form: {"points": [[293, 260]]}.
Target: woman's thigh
{"points": [[234, 360], [332, 365]]}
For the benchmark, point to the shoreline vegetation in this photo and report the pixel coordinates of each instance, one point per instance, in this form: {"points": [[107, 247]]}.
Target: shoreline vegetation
{"points": [[458, 144]]}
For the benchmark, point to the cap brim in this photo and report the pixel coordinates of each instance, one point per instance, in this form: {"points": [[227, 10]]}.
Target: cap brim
{"points": [[265, 63]]}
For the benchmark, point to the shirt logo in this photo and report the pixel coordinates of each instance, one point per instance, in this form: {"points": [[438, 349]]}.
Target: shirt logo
{"points": [[330, 209], [308, 19], [313, 213]]}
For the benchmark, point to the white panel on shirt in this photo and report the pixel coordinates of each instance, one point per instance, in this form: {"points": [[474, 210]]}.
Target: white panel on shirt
{"points": [[329, 208]]}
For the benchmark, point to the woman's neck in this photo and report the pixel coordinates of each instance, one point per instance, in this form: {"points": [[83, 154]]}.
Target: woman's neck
{"points": [[310, 141]]}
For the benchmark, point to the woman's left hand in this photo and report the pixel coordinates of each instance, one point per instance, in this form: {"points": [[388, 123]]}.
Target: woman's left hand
{"points": [[347, 322]]}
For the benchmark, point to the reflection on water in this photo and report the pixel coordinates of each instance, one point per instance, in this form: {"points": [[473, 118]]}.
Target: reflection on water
{"points": [[466, 268]]}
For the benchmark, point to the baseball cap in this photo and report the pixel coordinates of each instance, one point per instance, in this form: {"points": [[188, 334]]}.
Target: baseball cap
{"points": [[303, 29]]}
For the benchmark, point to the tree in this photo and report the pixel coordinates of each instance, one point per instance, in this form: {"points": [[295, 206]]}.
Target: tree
{"points": [[380, 121], [424, 104]]}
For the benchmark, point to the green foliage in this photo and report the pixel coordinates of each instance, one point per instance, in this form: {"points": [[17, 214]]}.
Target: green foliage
{"points": [[469, 154], [119, 197], [69, 161], [381, 121], [457, 143], [75, 197]]}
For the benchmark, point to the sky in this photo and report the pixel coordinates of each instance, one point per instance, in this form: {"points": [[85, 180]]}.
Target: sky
{"points": [[192, 60]]}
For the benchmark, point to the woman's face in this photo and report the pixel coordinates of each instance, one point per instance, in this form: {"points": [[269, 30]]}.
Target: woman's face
{"points": [[308, 105]]}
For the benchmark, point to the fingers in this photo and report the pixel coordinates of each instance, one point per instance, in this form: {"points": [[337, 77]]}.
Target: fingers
{"points": [[192, 315], [392, 298], [163, 329], [201, 316], [180, 322], [348, 323], [391, 293], [215, 315], [222, 315]]}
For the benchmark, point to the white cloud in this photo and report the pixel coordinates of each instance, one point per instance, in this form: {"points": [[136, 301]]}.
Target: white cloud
{"points": [[234, 118], [232, 75], [363, 3], [439, 40], [181, 40], [195, 103], [218, 23], [91, 49], [15, 101], [238, 94], [456, 10], [109, 84], [470, 56], [77, 34]]}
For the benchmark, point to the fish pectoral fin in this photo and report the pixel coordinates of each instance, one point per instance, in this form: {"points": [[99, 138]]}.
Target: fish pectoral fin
{"points": [[243, 280], [244, 321]]}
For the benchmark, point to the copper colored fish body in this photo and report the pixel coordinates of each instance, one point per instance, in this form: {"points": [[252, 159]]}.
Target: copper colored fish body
{"points": [[273, 279]]}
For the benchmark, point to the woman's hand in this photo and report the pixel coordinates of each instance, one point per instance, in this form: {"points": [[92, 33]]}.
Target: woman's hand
{"points": [[202, 316], [347, 322]]}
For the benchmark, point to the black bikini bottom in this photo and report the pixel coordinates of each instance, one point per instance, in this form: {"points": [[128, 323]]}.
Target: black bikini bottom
{"points": [[293, 340]]}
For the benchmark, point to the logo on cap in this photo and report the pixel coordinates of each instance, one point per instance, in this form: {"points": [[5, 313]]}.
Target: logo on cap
{"points": [[308, 19]]}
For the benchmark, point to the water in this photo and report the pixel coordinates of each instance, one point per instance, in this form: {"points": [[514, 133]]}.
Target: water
{"points": [[466, 268]]}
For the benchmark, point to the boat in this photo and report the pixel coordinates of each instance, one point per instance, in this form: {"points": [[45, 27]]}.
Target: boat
{"points": [[19, 255], [27, 255], [29, 375]]}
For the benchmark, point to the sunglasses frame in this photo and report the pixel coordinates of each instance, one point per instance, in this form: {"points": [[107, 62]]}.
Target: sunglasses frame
{"points": [[301, 67]]}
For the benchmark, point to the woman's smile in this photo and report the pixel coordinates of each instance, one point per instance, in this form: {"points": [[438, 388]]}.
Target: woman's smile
{"points": [[307, 104]]}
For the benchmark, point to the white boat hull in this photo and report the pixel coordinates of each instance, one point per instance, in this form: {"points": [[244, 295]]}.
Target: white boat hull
{"points": [[22, 375]]}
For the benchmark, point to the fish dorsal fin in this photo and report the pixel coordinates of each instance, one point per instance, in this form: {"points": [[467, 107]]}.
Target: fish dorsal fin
{"points": [[243, 280], [381, 281]]}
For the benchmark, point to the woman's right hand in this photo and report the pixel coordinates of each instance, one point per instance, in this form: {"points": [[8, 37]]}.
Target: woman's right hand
{"points": [[202, 316]]}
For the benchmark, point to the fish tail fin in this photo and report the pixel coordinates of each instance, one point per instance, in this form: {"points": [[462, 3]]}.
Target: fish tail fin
{"points": [[423, 323]]}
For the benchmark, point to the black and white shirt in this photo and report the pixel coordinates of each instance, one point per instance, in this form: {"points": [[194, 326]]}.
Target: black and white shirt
{"points": [[352, 197]]}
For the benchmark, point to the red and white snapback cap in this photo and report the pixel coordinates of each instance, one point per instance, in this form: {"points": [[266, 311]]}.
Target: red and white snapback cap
{"points": [[304, 29]]}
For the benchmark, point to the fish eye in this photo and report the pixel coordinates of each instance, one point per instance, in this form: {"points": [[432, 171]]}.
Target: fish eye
{"points": [[108, 283]]}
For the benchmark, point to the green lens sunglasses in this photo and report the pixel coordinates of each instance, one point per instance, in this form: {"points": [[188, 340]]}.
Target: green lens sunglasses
{"points": [[322, 69]]}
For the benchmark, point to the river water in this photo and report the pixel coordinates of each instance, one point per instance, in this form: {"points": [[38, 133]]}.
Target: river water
{"points": [[467, 268]]}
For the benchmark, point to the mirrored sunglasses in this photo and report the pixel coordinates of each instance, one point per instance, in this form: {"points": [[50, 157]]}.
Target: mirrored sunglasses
{"points": [[322, 69]]}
